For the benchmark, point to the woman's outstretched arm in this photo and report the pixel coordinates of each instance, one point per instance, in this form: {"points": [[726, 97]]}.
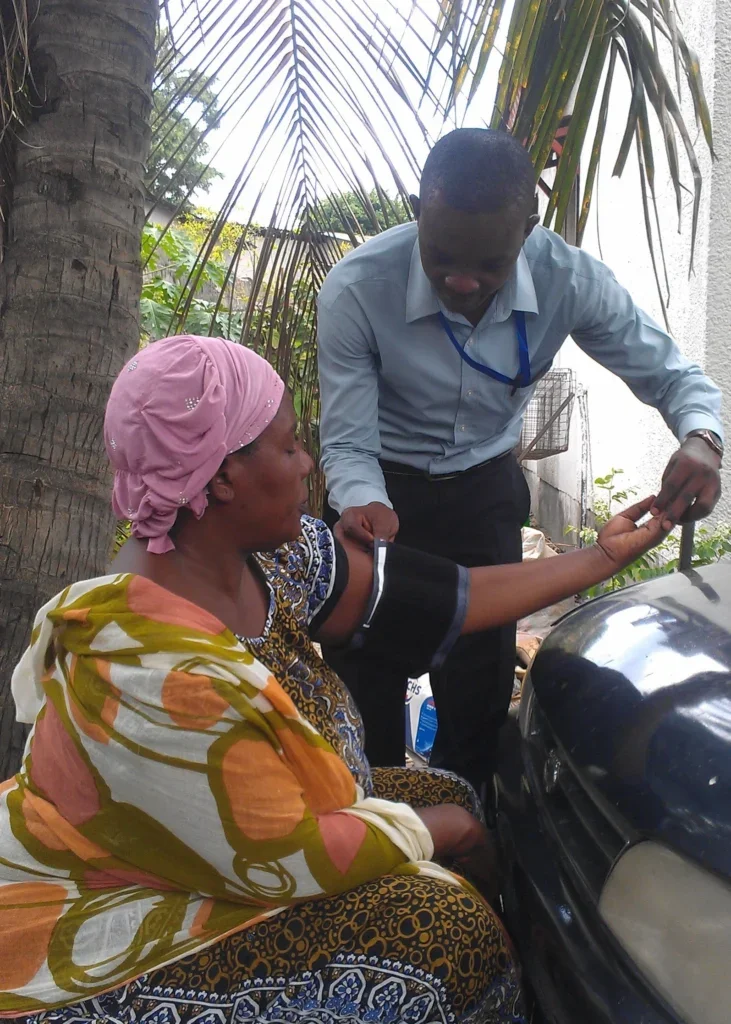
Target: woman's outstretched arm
{"points": [[500, 594]]}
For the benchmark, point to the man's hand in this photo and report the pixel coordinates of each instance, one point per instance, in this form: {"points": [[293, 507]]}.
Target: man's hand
{"points": [[691, 484], [365, 523]]}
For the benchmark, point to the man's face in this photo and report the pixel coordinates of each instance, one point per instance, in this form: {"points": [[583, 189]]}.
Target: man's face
{"points": [[469, 256]]}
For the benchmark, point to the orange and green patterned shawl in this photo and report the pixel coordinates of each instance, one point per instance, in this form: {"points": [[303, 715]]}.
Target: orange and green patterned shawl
{"points": [[171, 794]]}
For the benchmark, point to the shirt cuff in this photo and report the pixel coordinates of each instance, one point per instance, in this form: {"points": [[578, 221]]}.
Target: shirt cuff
{"points": [[698, 421], [355, 495]]}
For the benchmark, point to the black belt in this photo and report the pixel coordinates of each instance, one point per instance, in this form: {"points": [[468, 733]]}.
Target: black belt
{"points": [[400, 469]]}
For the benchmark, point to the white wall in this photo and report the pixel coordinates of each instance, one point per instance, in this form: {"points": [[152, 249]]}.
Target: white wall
{"points": [[624, 433], [718, 312]]}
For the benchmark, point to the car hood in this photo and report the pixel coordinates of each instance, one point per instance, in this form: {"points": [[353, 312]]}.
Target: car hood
{"points": [[636, 687]]}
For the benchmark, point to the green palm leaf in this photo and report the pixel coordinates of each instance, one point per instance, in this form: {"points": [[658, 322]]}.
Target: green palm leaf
{"points": [[555, 59]]}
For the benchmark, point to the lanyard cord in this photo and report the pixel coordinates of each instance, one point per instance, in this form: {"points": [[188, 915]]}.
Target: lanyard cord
{"points": [[523, 378]]}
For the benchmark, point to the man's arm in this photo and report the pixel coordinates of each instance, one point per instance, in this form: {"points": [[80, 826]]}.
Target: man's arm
{"points": [[624, 339], [350, 439]]}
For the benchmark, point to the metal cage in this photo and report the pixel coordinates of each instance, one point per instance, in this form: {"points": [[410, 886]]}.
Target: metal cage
{"points": [[547, 420]]}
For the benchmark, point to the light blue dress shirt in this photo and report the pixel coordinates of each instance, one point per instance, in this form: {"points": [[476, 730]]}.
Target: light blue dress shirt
{"points": [[393, 386]]}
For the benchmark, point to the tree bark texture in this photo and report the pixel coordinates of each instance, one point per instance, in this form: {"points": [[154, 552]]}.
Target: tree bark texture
{"points": [[69, 305]]}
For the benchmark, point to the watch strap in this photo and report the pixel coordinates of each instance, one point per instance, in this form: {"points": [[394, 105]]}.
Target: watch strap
{"points": [[713, 441]]}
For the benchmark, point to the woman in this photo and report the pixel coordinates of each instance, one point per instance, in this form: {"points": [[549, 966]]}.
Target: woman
{"points": [[195, 833]]}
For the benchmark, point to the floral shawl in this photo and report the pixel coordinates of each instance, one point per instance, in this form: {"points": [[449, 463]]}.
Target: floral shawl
{"points": [[171, 794]]}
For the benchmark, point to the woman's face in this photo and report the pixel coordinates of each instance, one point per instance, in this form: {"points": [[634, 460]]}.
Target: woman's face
{"points": [[270, 484]]}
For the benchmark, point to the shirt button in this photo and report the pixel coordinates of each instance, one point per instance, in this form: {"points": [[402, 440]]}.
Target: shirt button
{"points": [[462, 427], [469, 393]]}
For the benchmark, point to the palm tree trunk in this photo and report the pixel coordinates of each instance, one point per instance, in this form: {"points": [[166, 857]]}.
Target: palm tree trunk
{"points": [[69, 301]]}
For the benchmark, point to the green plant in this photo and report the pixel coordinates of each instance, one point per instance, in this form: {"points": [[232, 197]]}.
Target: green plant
{"points": [[197, 225], [610, 495], [710, 544], [347, 211], [173, 293]]}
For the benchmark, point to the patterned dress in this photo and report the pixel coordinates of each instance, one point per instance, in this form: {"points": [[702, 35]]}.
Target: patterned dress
{"points": [[414, 949]]}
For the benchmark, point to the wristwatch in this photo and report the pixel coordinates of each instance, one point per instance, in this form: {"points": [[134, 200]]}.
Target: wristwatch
{"points": [[713, 441]]}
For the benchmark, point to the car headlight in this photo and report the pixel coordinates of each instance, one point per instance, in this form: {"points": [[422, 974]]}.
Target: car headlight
{"points": [[674, 920]]}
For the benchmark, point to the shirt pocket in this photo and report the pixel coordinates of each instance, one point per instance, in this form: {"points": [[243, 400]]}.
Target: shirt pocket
{"points": [[487, 408]]}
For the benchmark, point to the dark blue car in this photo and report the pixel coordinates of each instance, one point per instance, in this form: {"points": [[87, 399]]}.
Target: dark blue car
{"points": [[614, 809]]}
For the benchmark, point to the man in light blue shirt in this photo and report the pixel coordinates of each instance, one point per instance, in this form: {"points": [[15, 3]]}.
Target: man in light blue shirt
{"points": [[431, 339]]}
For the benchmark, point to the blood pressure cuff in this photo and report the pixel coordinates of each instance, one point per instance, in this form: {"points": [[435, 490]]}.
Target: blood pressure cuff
{"points": [[416, 609]]}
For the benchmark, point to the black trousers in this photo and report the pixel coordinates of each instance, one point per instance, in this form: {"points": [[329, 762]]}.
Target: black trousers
{"points": [[474, 518]]}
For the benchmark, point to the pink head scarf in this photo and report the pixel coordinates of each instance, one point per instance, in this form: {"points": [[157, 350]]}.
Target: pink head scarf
{"points": [[176, 410]]}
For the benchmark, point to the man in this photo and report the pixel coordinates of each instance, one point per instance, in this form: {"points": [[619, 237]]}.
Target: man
{"points": [[431, 339]]}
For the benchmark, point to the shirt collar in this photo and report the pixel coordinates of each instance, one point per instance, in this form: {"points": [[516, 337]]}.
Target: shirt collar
{"points": [[518, 292]]}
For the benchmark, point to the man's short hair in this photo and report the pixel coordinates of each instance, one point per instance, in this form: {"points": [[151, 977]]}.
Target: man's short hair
{"points": [[479, 170]]}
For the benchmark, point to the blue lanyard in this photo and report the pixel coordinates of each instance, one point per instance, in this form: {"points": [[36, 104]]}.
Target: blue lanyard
{"points": [[523, 378]]}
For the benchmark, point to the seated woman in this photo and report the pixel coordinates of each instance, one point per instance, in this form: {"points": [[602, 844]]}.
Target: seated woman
{"points": [[195, 834]]}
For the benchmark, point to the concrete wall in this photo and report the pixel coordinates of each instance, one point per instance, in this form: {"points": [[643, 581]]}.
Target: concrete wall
{"points": [[624, 433], [718, 304]]}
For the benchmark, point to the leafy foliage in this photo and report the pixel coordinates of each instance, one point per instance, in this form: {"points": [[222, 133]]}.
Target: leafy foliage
{"points": [[710, 544], [185, 110], [197, 224], [347, 211], [170, 257]]}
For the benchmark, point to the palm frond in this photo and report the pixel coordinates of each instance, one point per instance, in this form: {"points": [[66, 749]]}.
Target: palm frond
{"points": [[312, 93], [557, 55]]}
